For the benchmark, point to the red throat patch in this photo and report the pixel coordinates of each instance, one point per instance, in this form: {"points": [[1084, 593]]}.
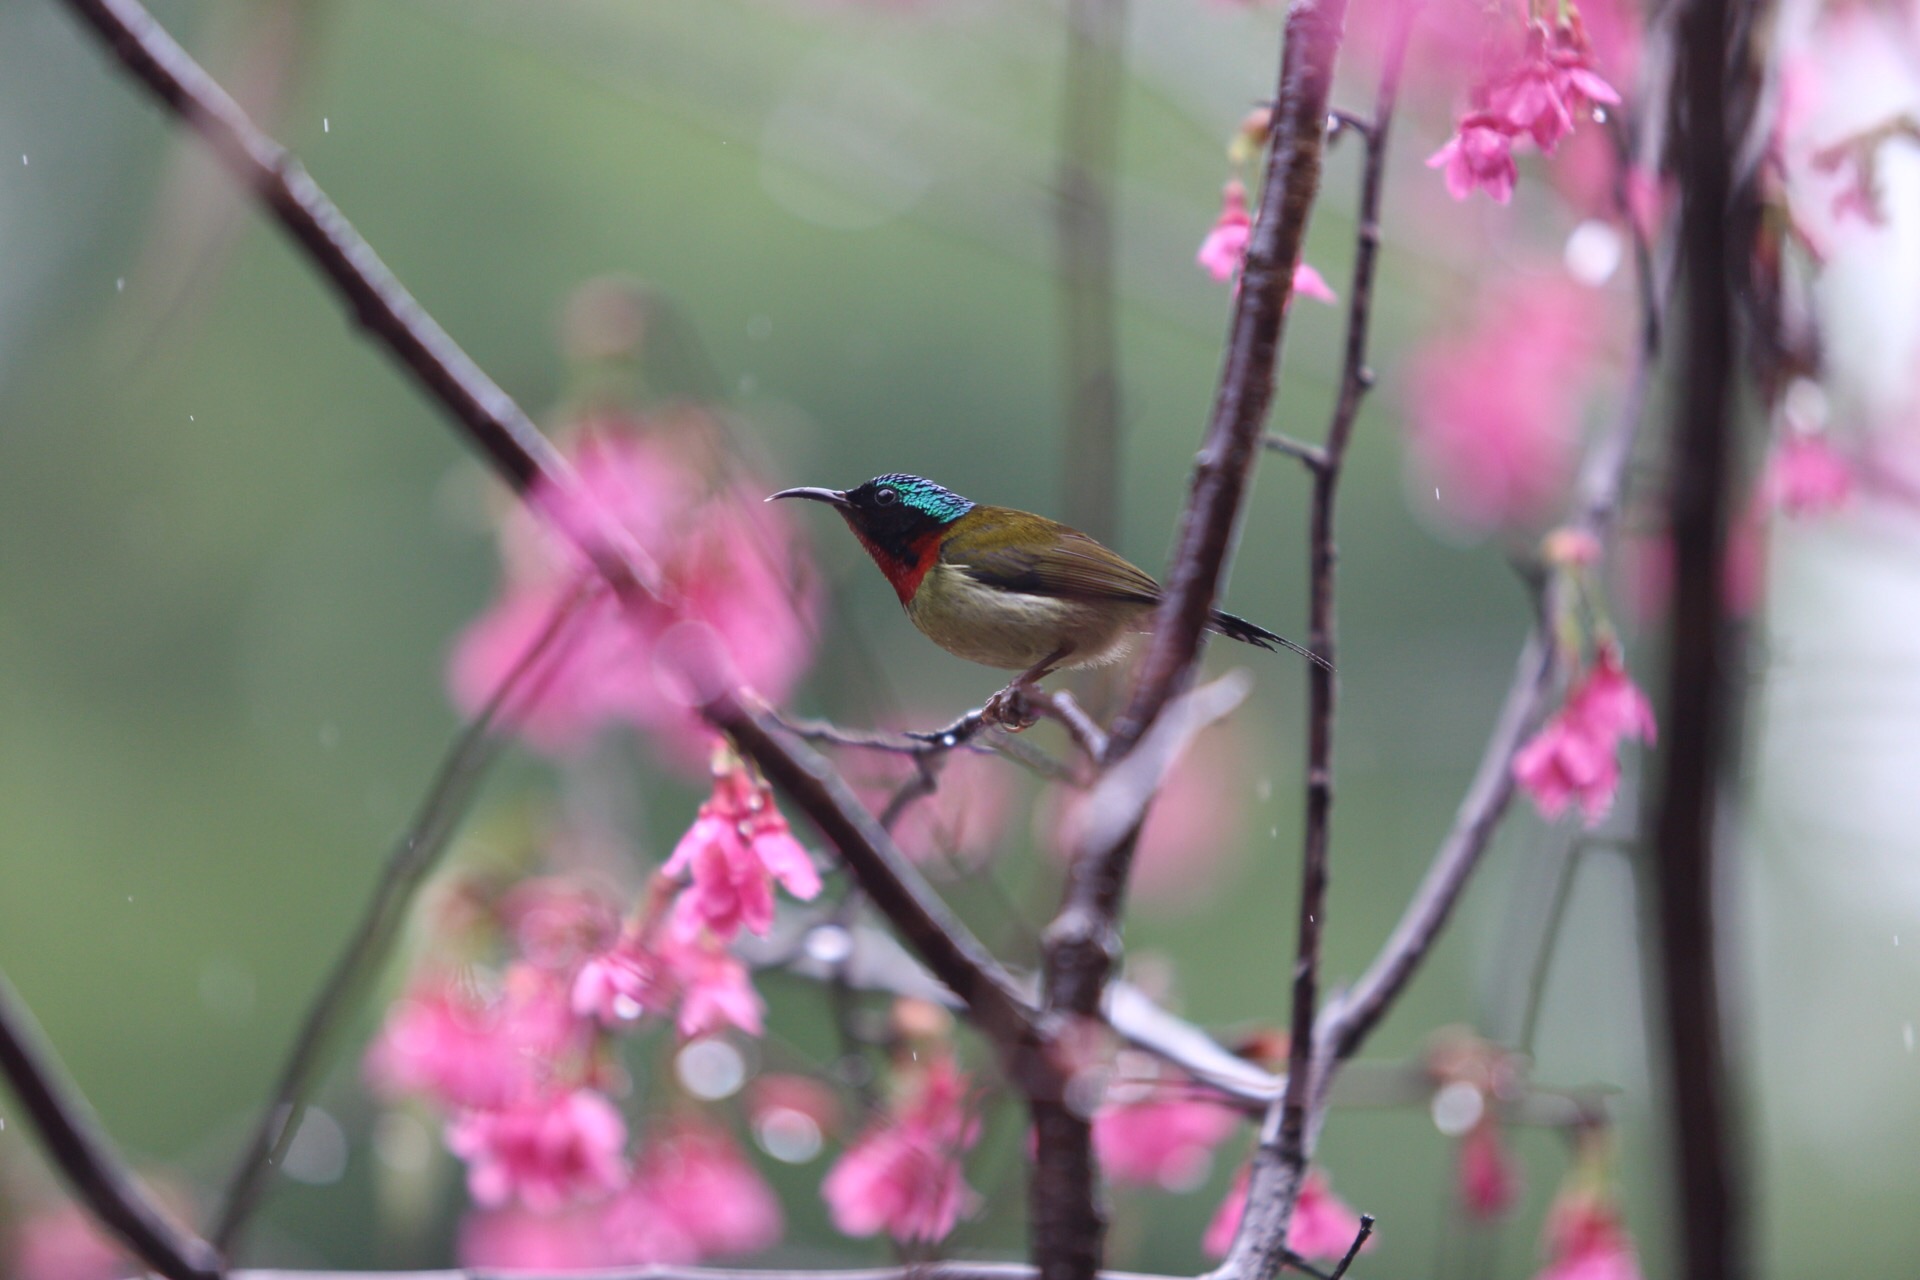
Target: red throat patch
{"points": [[905, 572]]}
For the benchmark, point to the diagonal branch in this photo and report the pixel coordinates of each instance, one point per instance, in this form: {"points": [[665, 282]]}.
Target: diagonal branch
{"points": [[934, 933], [93, 1169], [408, 865]]}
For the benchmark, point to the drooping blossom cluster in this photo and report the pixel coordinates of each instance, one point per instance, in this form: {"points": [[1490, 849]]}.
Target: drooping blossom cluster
{"points": [[903, 1175], [1574, 758], [1536, 99], [1323, 1227], [736, 591], [1584, 1237], [521, 1062], [1494, 405]]}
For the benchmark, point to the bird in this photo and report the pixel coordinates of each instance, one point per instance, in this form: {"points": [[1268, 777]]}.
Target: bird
{"points": [[1004, 587]]}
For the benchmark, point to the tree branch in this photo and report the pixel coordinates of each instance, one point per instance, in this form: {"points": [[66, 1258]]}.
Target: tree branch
{"points": [[408, 864], [933, 932], [1712, 120], [95, 1172]]}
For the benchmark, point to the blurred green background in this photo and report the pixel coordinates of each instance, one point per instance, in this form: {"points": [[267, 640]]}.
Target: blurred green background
{"points": [[235, 545]]}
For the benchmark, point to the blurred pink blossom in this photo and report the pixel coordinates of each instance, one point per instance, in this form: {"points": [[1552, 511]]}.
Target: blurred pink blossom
{"points": [[544, 1153], [447, 1042], [1585, 1241], [735, 850], [1806, 476], [60, 1242], [1194, 831], [1573, 759], [556, 922], [514, 1238], [1494, 406], [903, 1175], [1489, 1180], [965, 819], [716, 991], [729, 562], [1164, 1142], [1323, 1226], [693, 1175], [695, 975], [1226, 243], [1224, 249]]}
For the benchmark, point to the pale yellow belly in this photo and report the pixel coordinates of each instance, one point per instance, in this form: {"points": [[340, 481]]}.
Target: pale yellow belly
{"points": [[1014, 631]]}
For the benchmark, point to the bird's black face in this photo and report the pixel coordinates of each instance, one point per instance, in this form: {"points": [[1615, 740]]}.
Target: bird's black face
{"points": [[893, 513]]}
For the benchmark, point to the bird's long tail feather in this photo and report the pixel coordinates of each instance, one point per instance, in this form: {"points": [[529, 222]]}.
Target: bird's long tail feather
{"points": [[1236, 628]]}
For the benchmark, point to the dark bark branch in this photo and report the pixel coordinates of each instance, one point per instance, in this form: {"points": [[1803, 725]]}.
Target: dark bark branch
{"points": [[1095, 77], [1710, 125], [486, 415], [933, 932], [1082, 945], [98, 1177], [407, 867]]}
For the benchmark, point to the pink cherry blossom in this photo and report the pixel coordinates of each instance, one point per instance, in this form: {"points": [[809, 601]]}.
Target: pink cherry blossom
{"points": [[1585, 1241], [1308, 283], [694, 1175], [556, 922], [619, 986], [514, 1238], [1488, 1179], [447, 1042], [1225, 246], [1493, 405], [1807, 476], [60, 1242], [738, 846], [1322, 1227], [1573, 758], [729, 564], [545, 1152], [903, 1175], [1224, 250], [1480, 154], [693, 974], [1164, 1142]]}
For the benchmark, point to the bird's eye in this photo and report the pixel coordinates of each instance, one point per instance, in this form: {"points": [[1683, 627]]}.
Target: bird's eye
{"points": [[885, 497]]}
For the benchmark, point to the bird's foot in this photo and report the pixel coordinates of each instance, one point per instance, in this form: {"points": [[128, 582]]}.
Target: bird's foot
{"points": [[1012, 708]]}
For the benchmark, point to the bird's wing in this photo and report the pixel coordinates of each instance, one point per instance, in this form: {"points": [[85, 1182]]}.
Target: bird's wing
{"points": [[1068, 564]]}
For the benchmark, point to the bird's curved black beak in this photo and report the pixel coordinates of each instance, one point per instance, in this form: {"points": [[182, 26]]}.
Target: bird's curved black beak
{"points": [[832, 497]]}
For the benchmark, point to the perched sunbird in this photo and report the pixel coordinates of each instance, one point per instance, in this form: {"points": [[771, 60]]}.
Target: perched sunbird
{"points": [[1003, 587]]}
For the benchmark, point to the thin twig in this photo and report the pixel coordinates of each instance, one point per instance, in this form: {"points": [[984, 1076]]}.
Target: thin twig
{"points": [[1311, 456], [97, 1175], [1353, 1250], [412, 858], [485, 414], [1279, 1165]]}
